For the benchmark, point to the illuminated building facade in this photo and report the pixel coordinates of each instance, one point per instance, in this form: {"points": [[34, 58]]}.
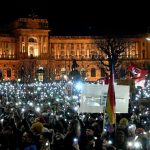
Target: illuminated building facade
{"points": [[30, 51]]}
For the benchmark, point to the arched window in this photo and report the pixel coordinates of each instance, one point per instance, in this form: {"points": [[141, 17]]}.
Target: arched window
{"points": [[32, 40], [8, 72], [93, 72], [33, 49]]}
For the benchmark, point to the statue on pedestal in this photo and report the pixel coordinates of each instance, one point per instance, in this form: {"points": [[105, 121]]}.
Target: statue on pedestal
{"points": [[74, 74], [74, 65]]}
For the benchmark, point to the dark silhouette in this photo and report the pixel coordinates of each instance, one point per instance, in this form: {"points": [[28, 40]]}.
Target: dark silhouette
{"points": [[74, 74], [74, 65], [22, 73], [1, 75]]}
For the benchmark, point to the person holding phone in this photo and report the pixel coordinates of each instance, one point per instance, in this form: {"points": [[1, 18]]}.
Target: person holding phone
{"points": [[71, 140]]}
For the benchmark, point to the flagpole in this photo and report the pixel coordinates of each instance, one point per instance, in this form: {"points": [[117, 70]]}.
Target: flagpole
{"points": [[113, 80], [115, 127], [110, 102], [104, 121], [104, 118]]}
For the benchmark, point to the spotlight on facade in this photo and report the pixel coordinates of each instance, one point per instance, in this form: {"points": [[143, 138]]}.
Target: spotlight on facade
{"points": [[148, 38]]}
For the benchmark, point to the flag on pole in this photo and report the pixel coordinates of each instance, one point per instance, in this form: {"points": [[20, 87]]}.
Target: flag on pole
{"points": [[110, 103]]}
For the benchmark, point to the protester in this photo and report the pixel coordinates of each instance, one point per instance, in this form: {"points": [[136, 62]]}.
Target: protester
{"points": [[71, 140], [89, 140]]}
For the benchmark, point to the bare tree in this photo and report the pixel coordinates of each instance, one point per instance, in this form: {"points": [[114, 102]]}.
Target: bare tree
{"points": [[112, 50]]}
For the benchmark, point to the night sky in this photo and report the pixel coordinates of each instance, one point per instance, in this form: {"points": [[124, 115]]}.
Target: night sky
{"points": [[83, 17]]}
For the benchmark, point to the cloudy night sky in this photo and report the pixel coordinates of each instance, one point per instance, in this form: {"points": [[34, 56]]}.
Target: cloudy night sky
{"points": [[82, 17]]}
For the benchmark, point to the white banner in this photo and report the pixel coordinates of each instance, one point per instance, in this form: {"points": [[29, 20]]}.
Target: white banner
{"points": [[93, 98]]}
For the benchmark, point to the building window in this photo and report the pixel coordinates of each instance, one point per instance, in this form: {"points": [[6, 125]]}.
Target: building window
{"points": [[82, 53], [82, 46], [94, 55], [103, 73], [7, 53], [8, 72], [62, 54], [143, 53], [1, 75], [31, 51], [72, 46], [72, 54], [6, 46], [143, 44], [52, 46], [32, 40], [62, 45], [44, 49], [23, 47], [93, 72], [68, 47], [78, 46], [87, 46]]}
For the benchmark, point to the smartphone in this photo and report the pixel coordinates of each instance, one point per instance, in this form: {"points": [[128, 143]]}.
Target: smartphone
{"points": [[75, 141]]}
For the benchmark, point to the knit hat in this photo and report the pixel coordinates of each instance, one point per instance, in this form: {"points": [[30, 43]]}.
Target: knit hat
{"points": [[123, 122], [139, 130], [37, 126]]}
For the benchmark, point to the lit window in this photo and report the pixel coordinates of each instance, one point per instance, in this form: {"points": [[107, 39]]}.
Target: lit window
{"points": [[93, 72], [8, 72]]}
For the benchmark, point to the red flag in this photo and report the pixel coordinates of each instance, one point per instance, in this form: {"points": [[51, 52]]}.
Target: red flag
{"points": [[110, 103], [138, 74]]}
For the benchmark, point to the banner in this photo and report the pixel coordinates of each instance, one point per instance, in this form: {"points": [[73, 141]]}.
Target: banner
{"points": [[93, 98]]}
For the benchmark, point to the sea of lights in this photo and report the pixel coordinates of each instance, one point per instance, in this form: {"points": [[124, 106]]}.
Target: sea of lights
{"points": [[143, 92], [52, 97], [39, 96]]}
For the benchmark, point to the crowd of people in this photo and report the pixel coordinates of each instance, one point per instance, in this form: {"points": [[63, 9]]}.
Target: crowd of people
{"points": [[34, 131], [44, 131], [59, 127]]}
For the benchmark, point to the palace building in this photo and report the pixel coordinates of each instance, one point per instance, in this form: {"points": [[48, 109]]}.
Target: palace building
{"points": [[29, 50]]}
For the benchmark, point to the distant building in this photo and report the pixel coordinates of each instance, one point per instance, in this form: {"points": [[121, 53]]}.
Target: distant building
{"points": [[30, 47]]}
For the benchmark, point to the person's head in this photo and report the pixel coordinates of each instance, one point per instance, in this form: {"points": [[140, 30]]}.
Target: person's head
{"points": [[131, 130], [74, 127], [123, 123], [7, 130], [90, 131], [37, 127], [139, 131], [120, 136], [27, 138]]}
